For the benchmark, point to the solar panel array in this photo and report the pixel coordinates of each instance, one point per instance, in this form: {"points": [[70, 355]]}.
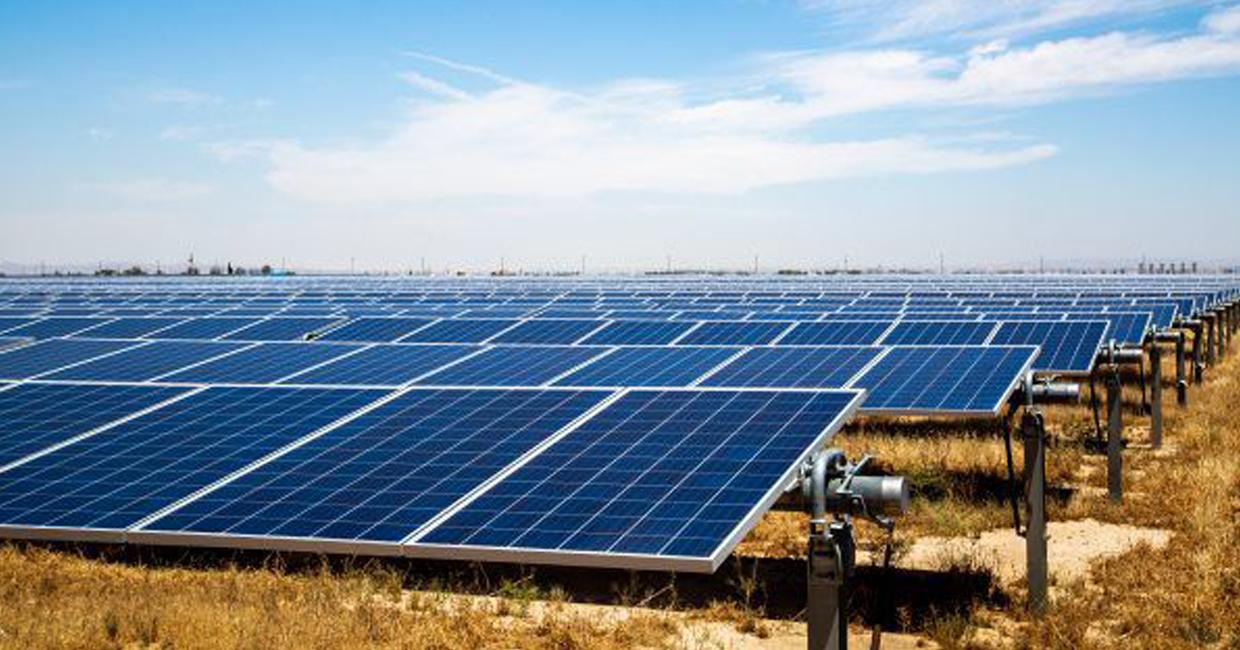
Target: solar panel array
{"points": [[640, 423]]}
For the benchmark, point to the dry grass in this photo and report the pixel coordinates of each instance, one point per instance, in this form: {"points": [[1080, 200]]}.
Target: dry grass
{"points": [[1188, 594], [55, 600]]}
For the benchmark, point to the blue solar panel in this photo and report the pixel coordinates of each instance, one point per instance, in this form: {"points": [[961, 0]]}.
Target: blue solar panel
{"points": [[378, 330], [865, 332], [8, 323], [658, 479], [262, 364], [960, 380], [384, 365], [36, 416], [795, 367], [911, 332], [638, 332], [1126, 328], [459, 331], [649, 367], [281, 329], [513, 366], [117, 477], [549, 332], [1067, 347], [53, 327], [130, 328], [31, 360], [146, 362], [734, 333], [203, 328], [380, 477]]}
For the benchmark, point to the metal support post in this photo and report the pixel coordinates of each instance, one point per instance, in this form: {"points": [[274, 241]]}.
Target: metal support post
{"points": [[1181, 383], [1198, 364], [1115, 442], [1156, 415], [1209, 321], [1033, 432]]}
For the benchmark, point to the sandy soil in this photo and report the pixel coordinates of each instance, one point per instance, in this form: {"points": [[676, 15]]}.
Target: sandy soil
{"points": [[1073, 545]]}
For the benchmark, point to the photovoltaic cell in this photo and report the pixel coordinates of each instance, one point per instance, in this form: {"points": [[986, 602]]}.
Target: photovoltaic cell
{"points": [[31, 360], [548, 332], [384, 365], [639, 332], [464, 330], [513, 366], [36, 416], [1067, 347], [130, 328], [9, 322], [203, 328], [961, 380], [840, 332], [53, 327], [908, 332], [261, 364], [117, 477], [383, 475], [147, 361], [1126, 328], [280, 329], [657, 479], [377, 330], [649, 367], [735, 333], [794, 367]]}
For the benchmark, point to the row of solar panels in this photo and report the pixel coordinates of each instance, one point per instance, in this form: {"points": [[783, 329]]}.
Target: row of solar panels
{"points": [[644, 479], [1125, 328], [664, 309], [961, 380]]}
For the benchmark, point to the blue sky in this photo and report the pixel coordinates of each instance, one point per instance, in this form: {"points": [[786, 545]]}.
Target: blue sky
{"points": [[885, 131]]}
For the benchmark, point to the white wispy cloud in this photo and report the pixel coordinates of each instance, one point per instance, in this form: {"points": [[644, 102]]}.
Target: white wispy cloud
{"points": [[891, 20], [184, 97], [432, 85], [518, 138], [152, 190]]}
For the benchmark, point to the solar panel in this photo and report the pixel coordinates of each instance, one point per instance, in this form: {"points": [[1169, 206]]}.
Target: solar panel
{"points": [[948, 380], [45, 356], [649, 367], [794, 367], [549, 332], [130, 328], [377, 330], [667, 480], [463, 330], [36, 416], [840, 332], [1067, 347], [1125, 329], [384, 365], [912, 332], [513, 366], [203, 328], [115, 478], [734, 333], [380, 477], [147, 361], [262, 364], [638, 332], [8, 323], [281, 329], [53, 327]]}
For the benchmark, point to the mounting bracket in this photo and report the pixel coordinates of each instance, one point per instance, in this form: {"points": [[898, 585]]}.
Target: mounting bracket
{"points": [[834, 487]]}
